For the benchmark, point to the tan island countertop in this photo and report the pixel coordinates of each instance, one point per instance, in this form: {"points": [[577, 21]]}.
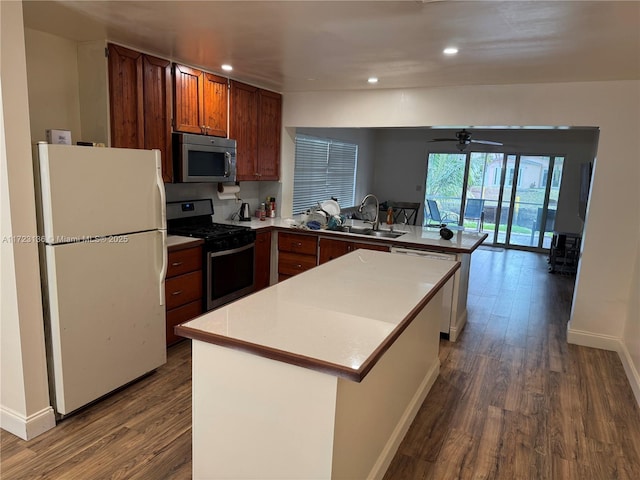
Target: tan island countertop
{"points": [[337, 318]]}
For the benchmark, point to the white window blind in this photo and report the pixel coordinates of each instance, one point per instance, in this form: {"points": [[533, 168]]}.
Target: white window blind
{"points": [[324, 168]]}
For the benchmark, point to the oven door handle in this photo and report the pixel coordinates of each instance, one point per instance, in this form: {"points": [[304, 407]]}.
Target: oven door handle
{"points": [[227, 164], [229, 252]]}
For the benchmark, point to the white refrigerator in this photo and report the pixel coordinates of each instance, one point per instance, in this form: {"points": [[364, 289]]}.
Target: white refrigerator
{"points": [[102, 229]]}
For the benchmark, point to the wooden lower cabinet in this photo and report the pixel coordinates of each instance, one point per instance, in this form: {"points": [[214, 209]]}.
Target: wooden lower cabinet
{"points": [[331, 248], [183, 288], [262, 273], [297, 253]]}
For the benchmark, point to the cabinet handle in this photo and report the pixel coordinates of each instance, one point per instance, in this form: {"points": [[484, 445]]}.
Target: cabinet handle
{"points": [[299, 244], [176, 264], [299, 266], [177, 292]]}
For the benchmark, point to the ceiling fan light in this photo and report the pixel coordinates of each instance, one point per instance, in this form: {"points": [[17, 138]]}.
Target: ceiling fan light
{"points": [[450, 51]]}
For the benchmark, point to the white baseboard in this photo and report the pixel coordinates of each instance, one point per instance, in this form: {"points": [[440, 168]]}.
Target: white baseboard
{"points": [[589, 339], [388, 452], [27, 427], [614, 344], [455, 330]]}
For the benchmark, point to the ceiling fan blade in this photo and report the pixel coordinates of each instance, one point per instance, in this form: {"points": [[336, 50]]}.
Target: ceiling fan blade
{"points": [[443, 140], [486, 142]]}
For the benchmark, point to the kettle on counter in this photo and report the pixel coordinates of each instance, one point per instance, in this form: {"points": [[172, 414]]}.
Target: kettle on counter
{"points": [[245, 215]]}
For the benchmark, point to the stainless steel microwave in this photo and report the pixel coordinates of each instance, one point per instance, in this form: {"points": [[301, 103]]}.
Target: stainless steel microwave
{"points": [[200, 158]]}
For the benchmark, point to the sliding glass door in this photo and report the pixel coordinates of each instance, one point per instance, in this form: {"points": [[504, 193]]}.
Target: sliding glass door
{"points": [[510, 197]]}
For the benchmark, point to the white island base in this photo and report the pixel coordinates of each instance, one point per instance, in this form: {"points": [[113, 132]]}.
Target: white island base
{"points": [[319, 376], [257, 418]]}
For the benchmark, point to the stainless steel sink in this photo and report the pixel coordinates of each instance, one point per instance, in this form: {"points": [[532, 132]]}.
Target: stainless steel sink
{"points": [[358, 230], [372, 233], [385, 234]]}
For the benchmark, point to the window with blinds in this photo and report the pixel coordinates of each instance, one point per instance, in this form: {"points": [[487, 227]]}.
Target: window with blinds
{"points": [[324, 168]]}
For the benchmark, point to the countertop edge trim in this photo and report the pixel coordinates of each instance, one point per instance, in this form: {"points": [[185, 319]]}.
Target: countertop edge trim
{"points": [[312, 363], [371, 361], [271, 353]]}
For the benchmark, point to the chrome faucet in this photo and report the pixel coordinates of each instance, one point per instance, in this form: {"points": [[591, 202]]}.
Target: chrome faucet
{"points": [[375, 222]]}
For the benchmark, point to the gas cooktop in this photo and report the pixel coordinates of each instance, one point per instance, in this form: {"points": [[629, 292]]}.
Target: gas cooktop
{"points": [[193, 219]]}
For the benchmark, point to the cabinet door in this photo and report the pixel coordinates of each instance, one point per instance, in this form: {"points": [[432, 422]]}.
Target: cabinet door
{"points": [[269, 127], [126, 97], [214, 101], [263, 260], [243, 118], [188, 94], [330, 249], [157, 110]]}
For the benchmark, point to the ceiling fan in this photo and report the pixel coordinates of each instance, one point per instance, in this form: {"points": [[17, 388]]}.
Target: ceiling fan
{"points": [[463, 138]]}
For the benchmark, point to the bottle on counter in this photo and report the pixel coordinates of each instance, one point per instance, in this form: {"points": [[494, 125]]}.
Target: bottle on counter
{"points": [[390, 216], [272, 207]]}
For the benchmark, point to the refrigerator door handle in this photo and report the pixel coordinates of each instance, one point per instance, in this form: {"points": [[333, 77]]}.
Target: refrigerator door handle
{"points": [[163, 269], [160, 186]]}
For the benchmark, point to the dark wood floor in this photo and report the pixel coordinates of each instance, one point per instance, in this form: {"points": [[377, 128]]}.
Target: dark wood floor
{"points": [[513, 401]]}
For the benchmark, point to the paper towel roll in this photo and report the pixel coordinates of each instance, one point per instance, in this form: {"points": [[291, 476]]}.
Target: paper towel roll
{"points": [[228, 188], [228, 192]]}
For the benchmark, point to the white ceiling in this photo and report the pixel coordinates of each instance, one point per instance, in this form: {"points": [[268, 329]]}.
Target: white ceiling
{"points": [[323, 45]]}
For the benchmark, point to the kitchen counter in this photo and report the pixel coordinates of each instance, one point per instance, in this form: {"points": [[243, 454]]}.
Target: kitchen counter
{"points": [[416, 236], [177, 242], [318, 376]]}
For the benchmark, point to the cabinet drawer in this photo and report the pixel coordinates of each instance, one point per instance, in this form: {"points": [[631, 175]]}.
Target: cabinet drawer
{"points": [[183, 289], [294, 263], [183, 261], [295, 243], [180, 315]]}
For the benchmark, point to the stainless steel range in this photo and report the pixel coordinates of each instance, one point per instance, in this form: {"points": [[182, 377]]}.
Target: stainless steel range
{"points": [[228, 251]]}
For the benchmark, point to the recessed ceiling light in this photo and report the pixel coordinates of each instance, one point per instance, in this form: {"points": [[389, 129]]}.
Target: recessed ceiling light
{"points": [[373, 80], [227, 68], [450, 51]]}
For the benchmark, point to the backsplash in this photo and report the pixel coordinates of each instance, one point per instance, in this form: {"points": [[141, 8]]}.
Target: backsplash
{"points": [[251, 192]]}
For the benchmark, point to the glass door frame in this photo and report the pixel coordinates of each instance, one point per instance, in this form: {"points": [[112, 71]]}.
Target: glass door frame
{"points": [[506, 157]]}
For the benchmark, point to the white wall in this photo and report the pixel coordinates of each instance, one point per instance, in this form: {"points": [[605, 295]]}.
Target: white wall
{"points": [[24, 397], [52, 79], [602, 298]]}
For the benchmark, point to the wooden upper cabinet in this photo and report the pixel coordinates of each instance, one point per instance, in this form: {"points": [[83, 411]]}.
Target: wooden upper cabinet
{"points": [[215, 99], [126, 97], [157, 110], [255, 123], [269, 127], [140, 103], [243, 127], [200, 102], [188, 99]]}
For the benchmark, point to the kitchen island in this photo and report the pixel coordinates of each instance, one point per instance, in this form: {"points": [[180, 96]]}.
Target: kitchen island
{"points": [[412, 240], [318, 376]]}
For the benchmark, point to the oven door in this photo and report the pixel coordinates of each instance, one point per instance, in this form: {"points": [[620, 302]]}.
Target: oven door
{"points": [[229, 275]]}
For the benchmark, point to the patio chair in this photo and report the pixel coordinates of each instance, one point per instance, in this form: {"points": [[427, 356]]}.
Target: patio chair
{"points": [[474, 210], [436, 220]]}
